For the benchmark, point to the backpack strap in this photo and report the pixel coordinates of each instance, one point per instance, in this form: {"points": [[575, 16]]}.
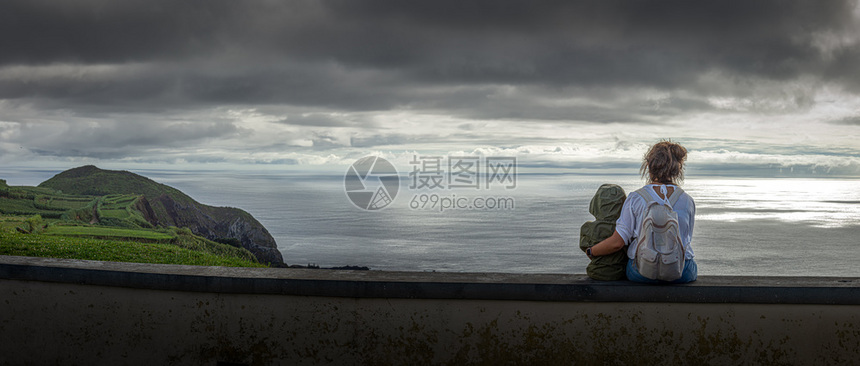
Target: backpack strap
{"points": [[645, 195], [676, 195]]}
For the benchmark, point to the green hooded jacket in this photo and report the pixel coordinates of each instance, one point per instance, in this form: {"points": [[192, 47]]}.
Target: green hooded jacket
{"points": [[606, 208]]}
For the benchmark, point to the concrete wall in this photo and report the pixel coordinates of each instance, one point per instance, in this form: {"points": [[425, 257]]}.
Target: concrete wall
{"points": [[83, 312]]}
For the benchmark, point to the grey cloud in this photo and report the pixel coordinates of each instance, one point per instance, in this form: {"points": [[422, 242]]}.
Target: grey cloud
{"points": [[843, 69], [850, 121], [334, 64], [269, 52], [755, 147], [640, 43], [119, 139], [389, 139], [43, 31], [596, 166], [282, 161], [317, 120], [323, 141]]}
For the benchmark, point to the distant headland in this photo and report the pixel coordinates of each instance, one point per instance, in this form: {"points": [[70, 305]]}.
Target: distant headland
{"points": [[123, 200]]}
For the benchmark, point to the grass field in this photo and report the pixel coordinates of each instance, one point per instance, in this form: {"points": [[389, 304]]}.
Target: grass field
{"points": [[22, 200], [52, 246], [75, 220], [109, 233], [113, 213], [10, 222], [10, 206], [119, 210], [77, 240], [60, 203]]}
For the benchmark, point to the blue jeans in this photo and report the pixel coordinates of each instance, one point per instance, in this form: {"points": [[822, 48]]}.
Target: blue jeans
{"points": [[691, 272]]}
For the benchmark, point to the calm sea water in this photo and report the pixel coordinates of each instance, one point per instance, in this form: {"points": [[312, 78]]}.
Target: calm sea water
{"points": [[784, 227]]}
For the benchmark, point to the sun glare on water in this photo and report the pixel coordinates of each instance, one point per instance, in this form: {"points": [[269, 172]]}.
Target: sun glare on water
{"points": [[819, 203]]}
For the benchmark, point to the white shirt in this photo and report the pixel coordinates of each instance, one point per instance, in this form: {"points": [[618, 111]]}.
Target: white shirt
{"points": [[634, 208]]}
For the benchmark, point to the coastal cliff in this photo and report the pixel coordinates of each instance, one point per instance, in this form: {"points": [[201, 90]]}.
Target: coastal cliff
{"points": [[163, 205]]}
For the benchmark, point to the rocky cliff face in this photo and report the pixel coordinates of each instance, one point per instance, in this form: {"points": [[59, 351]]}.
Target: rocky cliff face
{"points": [[256, 239], [219, 223], [166, 206]]}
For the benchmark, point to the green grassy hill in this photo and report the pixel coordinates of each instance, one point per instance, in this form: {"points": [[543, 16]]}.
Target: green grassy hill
{"points": [[161, 206], [89, 213], [92, 181]]}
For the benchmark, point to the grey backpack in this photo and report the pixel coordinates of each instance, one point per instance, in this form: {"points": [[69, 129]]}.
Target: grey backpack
{"points": [[660, 254]]}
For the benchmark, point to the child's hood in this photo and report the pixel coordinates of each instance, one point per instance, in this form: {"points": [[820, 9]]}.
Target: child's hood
{"points": [[606, 203]]}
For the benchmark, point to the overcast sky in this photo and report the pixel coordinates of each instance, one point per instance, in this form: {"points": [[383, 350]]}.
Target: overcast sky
{"points": [[750, 87]]}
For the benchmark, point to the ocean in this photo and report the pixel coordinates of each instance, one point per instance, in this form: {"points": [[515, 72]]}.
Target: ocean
{"points": [[744, 226]]}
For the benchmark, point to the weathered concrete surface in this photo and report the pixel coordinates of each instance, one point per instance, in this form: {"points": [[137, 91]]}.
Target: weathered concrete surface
{"points": [[430, 285], [56, 311]]}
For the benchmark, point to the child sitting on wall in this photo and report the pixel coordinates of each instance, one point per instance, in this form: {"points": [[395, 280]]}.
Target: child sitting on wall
{"points": [[606, 207]]}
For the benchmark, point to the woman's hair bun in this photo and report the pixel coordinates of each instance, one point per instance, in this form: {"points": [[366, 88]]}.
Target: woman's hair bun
{"points": [[678, 151]]}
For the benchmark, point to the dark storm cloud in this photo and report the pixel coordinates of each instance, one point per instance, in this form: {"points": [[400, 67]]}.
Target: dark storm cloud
{"points": [[366, 55], [118, 140], [38, 32], [617, 42]]}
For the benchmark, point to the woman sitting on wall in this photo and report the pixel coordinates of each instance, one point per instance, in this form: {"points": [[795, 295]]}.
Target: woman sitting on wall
{"points": [[656, 222]]}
